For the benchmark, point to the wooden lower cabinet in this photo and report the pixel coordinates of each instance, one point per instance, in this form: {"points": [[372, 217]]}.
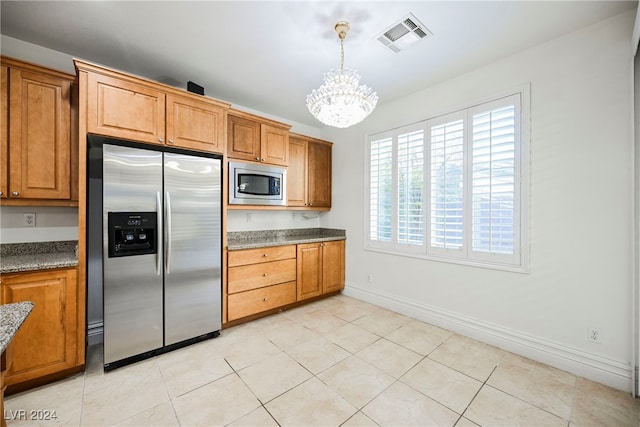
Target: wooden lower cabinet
{"points": [[263, 279], [309, 270], [260, 279], [320, 268], [333, 266], [262, 299], [50, 340]]}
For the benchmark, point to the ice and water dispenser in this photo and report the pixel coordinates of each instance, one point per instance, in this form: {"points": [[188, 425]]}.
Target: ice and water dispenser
{"points": [[132, 233]]}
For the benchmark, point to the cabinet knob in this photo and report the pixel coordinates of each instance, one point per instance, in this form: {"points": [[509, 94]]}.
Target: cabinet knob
{"points": [[257, 158], [265, 274], [262, 160], [160, 139], [265, 255], [15, 193], [264, 299], [171, 141], [1, 193]]}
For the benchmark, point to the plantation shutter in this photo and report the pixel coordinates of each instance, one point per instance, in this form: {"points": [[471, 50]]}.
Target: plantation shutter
{"points": [[411, 188], [381, 190], [447, 185]]}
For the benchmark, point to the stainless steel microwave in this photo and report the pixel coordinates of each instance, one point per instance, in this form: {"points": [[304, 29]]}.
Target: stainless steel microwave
{"points": [[256, 184]]}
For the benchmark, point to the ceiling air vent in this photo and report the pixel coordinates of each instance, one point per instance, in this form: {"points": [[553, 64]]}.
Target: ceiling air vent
{"points": [[403, 34]]}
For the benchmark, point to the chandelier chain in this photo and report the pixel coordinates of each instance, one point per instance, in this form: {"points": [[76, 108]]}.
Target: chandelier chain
{"points": [[341, 55]]}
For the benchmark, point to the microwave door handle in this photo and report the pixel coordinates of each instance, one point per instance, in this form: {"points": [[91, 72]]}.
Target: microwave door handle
{"points": [[158, 228], [167, 266]]}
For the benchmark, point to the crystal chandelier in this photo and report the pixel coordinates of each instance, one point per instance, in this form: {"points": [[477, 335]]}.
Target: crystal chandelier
{"points": [[340, 102]]}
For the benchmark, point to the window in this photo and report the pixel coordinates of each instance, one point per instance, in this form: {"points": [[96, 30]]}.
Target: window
{"points": [[452, 187]]}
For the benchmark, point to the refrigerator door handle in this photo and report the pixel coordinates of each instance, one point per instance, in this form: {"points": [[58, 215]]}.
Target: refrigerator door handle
{"points": [[159, 227], [168, 233]]}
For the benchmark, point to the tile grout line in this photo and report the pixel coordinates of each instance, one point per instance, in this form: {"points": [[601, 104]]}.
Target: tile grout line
{"points": [[476, 395]]}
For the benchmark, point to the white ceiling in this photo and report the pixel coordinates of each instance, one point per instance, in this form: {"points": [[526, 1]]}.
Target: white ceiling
{"points": [[268, 55]]}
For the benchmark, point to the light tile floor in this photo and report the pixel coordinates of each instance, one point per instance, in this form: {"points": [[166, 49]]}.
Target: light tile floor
{"points": [[333, 362]]}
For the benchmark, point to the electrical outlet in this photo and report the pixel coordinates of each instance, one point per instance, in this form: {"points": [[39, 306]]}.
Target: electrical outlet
{"points": [[595, 336], [30, 220]]}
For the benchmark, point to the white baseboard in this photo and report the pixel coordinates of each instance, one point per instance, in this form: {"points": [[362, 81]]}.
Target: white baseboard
{"points": [[614, 373]]}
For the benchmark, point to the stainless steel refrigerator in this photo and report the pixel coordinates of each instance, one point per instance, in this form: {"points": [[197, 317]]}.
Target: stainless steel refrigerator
{"points": [[161, 250]]}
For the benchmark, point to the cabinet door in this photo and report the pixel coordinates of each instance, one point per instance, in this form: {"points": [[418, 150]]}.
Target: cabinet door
{"points": [[125, 110], [274, 147], [4, 132], [297, 173], [243, 138], [319, 167], [39, 136], [332, 266], [46, 342], [195, 124], [309, 270]]}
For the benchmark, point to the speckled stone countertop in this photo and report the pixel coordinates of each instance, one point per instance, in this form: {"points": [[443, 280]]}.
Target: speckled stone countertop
{"points": [[11, 318], [16, 257], [237, 240]]}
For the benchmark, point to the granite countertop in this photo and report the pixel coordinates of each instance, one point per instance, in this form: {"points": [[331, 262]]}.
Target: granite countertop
{"points": [[16, 257], [11, 318], [237, 240]]}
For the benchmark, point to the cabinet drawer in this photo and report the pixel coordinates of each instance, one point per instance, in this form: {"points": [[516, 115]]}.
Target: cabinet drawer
{"points": [[259, 300], [252, 256], [255, 276]]}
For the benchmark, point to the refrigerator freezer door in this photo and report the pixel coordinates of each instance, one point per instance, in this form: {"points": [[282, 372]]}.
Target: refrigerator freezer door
{"points": [[132, 182], [193, 242]]}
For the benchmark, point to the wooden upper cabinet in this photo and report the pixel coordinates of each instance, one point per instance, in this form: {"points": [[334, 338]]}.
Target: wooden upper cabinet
{"points": [[256, 139], [124, 109], [274, 146], [4, 133], [195, 124], [319, 174], [243, 138], [309, 173], [128, 107], [297, 173], [39, 135]]}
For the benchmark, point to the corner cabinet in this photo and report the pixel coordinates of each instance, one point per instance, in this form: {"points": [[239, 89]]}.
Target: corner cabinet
{"points": [[257, 139], [51, 341], [37, 137], [128, 107], [309, 173]]}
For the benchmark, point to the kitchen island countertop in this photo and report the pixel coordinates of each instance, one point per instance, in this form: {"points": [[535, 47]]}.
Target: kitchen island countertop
{"points": [[11, 318], [238, 240]]}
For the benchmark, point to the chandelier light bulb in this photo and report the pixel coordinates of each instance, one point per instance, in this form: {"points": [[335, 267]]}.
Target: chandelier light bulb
{"points": [[341, 101]]}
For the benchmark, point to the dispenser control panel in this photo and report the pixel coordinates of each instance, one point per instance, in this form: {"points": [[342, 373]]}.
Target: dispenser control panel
{"points": [[132, 233]]}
